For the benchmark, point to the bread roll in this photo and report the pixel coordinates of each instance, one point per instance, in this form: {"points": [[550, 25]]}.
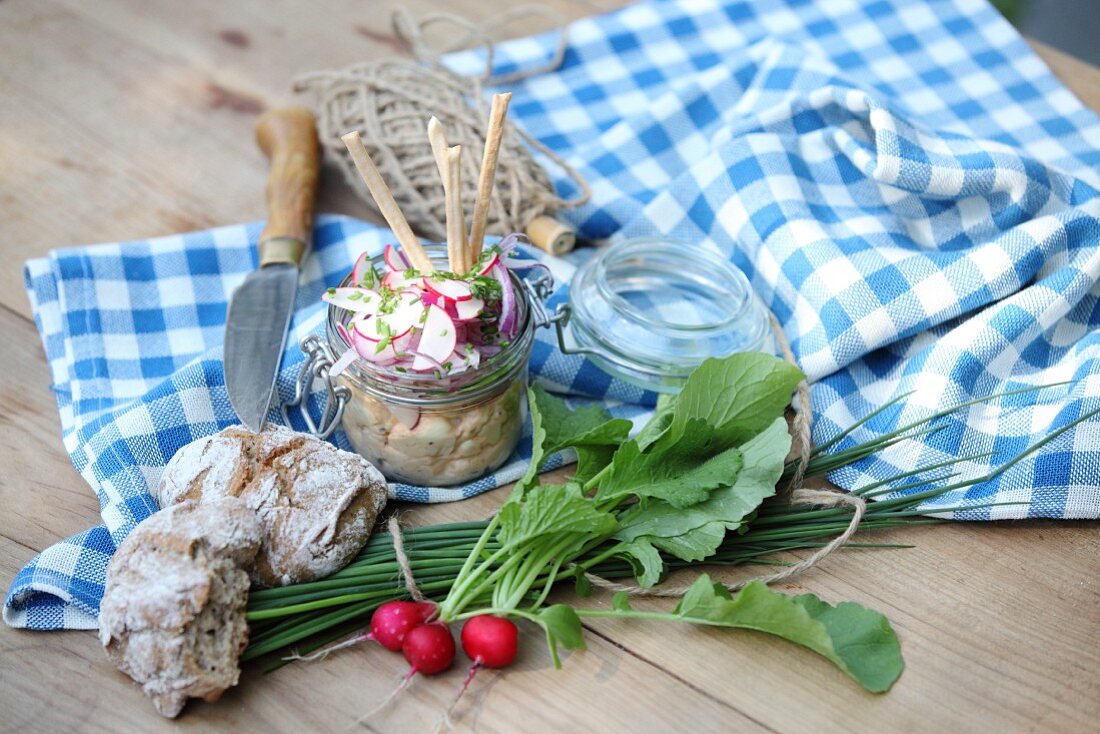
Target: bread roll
{"points": [[173, 610], [317, 504]]}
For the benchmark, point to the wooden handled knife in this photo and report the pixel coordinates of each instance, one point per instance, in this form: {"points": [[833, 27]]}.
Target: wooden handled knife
{"points": [[261, 308]]}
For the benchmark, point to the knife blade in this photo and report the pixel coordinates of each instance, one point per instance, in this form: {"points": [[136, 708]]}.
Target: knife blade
{"points": [[262, 306]]}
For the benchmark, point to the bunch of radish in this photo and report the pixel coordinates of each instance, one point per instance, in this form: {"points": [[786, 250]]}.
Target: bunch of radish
{"points": [[438, 324], [427, 644]]}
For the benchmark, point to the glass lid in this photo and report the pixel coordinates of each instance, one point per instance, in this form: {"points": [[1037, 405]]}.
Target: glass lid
{"points": [[650, 310]]}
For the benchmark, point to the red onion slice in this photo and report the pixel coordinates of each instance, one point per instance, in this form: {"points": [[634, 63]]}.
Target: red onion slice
{"points": [[507, 302]]}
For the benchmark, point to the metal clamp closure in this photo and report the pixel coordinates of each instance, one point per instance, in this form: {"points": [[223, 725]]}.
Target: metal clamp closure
{"points": [[538, 290], [317, 368]]}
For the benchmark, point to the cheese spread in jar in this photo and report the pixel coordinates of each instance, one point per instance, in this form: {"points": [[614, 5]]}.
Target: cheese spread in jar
{"points": [[420, 416]]}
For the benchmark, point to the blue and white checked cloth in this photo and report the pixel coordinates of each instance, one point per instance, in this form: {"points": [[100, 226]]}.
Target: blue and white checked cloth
{"points": [[906, 185]]}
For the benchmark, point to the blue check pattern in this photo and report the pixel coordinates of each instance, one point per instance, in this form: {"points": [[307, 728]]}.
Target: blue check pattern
{"points": [[907, 186]]}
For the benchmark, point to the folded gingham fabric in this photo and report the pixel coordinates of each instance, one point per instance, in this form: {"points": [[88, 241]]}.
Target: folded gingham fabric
{"points": [[907, 186]]}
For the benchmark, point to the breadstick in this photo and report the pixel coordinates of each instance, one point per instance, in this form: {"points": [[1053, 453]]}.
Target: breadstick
{"points": [[383, 197], [488, 173], [438, 138], [456, 224]]}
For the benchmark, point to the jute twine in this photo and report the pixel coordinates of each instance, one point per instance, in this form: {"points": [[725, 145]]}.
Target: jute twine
{"points": [[389, 103]]}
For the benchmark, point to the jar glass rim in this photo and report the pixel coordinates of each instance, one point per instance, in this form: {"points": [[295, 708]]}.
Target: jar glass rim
{"points": [[731, 279], [649, 310]]}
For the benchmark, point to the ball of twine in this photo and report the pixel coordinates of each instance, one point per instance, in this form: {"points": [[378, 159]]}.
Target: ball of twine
{"points": [[389, 102]]}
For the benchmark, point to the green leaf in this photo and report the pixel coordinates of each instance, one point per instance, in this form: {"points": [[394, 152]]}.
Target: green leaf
{"points": [[591, 460], [644, 560], [582, 587], [550, 510], [586, 426], [694, 545], [857, 640], [620, 602], [681, 473], [555, 426], [739, 395], [563, 627], [693, 533], [538, 452], [659, 423]]}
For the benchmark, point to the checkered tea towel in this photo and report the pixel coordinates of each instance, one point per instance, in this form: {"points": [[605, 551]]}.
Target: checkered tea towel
{"points": [[907, 186]]}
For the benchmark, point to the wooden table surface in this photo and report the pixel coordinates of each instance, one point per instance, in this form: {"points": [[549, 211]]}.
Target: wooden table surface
{"points": [[122, 119]]}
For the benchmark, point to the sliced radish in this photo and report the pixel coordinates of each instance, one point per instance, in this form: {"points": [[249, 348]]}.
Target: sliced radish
{"points": [[406, 416], [390, 353], [465, 357], [360, 270], [469, 310], [357, 300], [395, 259], [396, 280], [454, 289], [406, 314], [490, 264], [423, 363], [374, 330], [438, 338]]}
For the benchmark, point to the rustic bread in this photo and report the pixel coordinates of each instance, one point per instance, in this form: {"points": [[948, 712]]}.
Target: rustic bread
{"points": [[173, 610], [317, 503]]}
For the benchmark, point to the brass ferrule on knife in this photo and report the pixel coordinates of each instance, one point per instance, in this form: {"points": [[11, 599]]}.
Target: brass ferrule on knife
{"points": [[277, 250]]}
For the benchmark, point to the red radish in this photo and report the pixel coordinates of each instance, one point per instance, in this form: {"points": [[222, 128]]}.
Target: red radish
{"points": [[356, 300], [429, 648], [391, 623], [395, 259], [490, 641], [455, 289], [439, 335], [490, 263]]}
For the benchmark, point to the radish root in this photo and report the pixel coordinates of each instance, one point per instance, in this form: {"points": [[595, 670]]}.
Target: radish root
{"points": [[445, 720], [324, 653], [386, 701]]}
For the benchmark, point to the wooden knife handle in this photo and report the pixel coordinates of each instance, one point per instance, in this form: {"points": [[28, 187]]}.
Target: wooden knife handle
{"points": [[288, 137]]}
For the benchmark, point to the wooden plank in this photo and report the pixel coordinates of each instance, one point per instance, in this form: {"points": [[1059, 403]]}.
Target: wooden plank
{"points": [[91, 96], [42, 497], [991, 618]]}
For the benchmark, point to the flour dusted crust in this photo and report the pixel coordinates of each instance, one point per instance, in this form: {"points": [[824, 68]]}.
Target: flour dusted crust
{"points": [[316, 503], [173, 610]]}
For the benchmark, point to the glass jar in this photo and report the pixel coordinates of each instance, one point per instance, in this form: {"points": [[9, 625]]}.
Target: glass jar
{"points": [[650, 310], [423, 430]]}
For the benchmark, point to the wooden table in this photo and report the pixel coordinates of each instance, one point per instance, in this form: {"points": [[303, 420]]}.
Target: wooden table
{"points": [[123, 119]]}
